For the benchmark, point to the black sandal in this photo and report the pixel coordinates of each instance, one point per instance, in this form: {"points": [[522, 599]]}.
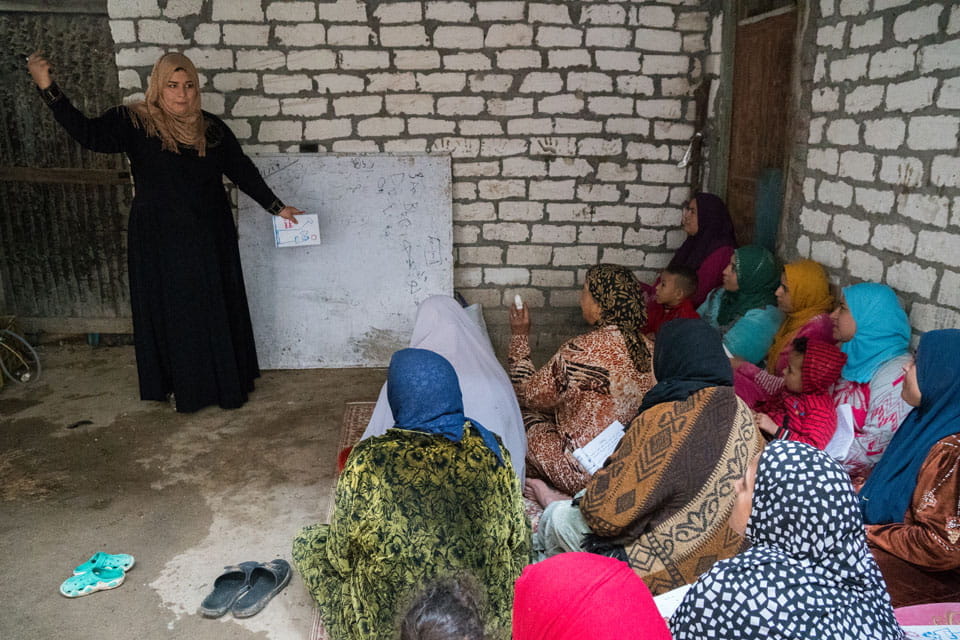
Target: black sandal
{"points": [[266, 580]]}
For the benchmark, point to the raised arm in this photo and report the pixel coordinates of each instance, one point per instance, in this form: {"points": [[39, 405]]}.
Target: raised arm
{"points": [[104, 134]]}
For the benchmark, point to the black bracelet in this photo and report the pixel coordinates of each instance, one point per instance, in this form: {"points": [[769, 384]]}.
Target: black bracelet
{"points": [[51, 94], [276, 207]]}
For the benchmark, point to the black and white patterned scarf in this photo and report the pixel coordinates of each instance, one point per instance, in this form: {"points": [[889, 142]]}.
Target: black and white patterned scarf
{"points": [[808, 574]]}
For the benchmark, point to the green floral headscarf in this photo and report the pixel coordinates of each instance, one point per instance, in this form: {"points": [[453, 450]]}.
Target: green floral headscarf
{"points": [[758, 275]]}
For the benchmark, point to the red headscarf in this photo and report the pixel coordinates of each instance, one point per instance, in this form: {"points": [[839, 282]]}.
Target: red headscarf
{"points": [[584, 596]]}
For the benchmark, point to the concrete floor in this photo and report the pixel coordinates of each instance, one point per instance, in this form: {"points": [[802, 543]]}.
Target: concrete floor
{"points": [[185, 494]]}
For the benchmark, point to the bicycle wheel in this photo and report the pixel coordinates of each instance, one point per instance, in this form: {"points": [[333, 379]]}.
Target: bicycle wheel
{"points": [[18, 360]]}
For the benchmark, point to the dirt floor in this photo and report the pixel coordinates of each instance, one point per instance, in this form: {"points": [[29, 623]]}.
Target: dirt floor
{"points": [[185, 494]]}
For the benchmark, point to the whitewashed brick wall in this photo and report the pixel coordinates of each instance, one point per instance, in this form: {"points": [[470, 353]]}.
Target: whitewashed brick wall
{"points": [[564, 120], [880, 193]]}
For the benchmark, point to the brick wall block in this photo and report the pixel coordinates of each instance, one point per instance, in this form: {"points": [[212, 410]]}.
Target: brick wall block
{"points": [[214, 103], [610, 105], [310, 107], [657, 216], [467, 169], [551, 37], [456, 147], [940, 56], [460, 105], [206, 34], [831, 35], [666, 109], [912, 278], [551, 189], [933, 132], [309, 34], [276, 130], [480, 255], [625, 257], [814, 221], [413, 35], [669, 173], [912, 95], [553, 233], [576, 167], [939, 247], [373, 127], [894, 237], [661, 65], [255, 35], [449, 11], [524, 167], [567, 58], [949, 94], [490, 82], [160, 31], [598, 193], [850, 68], [388, 12], [566, 126], [464, 190], [357, 105], [509, 35], [554, 279], [541, 82], [445, 37], [480, 127], [287, 84], [311, 59], [628, 126], [613, 172], [338, 83], [648, 194], [594, 234], [349, 35], [291, 11], [858, 165], [519, 59], [589, 82], [257, 59], [384, 82], [635, 85], [644, 151], [867, 34], [599, 147], [863, 266], [575, 256], [914, 25], [123, 31], [643, 237], [830, 254], [501, 147], [510, 107], [844, 132], [360, 59], [467, 62], [926, 208], [499, 189], [474, 211], [945, 171], [851, 230], [505, 231], [519, 210], [345, 11], [885, 133], [903, 171], [138, 56], [652, 16], [229, 82], [874, 200], [506, 276], [255, 106], [893, 62], [129, 79], [658, 40], [416, 59], [563, 103], [864, 98], [549, 12], [237, 10], [614, 213], [466, 277], [609, 37], [210, 59], [441, 82], [529, 254], [603, 14], [838, 193], [407, 145], [949, 289], [930, 317], [825, 99], [826, 160]]}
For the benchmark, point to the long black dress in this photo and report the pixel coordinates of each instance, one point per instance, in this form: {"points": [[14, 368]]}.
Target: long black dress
{"points": [[191, 323]]}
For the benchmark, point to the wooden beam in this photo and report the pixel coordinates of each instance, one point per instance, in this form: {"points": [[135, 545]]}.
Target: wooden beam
{"points": [[64, 175], [75, 325]]}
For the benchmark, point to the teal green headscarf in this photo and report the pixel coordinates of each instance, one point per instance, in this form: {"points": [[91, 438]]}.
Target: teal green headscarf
{"points": [[758, 275]]}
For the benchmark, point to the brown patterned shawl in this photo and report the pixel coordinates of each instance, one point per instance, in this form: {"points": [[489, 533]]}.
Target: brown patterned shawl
{"points": [[663, 498]]}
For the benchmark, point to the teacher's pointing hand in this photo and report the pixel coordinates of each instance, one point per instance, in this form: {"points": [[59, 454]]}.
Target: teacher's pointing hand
{"points": [[290, 213]]}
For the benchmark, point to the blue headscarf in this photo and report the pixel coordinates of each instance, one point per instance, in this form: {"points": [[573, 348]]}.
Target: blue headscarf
{"points": [[887, 494], [424, 395], [883, 331]]}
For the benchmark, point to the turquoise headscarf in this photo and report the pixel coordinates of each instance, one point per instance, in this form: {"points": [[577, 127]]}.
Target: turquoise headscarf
{"points": [[883, 331], [758, 276]]}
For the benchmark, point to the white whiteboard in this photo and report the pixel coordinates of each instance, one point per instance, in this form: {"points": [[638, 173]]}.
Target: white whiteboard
{"points": [[386, 228]]}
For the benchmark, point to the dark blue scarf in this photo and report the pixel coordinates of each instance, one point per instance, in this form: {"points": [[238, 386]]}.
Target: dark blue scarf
{"points": [[424, 395], [887, 494]]}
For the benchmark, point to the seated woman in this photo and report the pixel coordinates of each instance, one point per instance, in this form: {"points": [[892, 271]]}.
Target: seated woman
{"points": [[804, 297], [434, 495], [592, 380], [582, 596], [808, 573], [662, 500], [743, 309], [911, 499], [442, 326], [708, 247], [874, 333]]}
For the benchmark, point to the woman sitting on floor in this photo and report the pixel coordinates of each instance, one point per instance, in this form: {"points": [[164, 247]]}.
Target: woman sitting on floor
{"points": [[444, 327], [912, 499], [582, 596], [804, 297], [874, 333], [592, 380], [744, 308], [662, 500], [434, 495], [808, 574]]}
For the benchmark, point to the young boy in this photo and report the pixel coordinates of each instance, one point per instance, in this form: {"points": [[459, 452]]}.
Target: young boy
{"points": [[804, 409], [672, 295]]}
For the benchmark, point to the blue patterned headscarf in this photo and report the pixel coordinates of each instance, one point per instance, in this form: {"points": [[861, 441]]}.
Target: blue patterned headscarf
{"points": [[424, 395], [883, 331], [887, 494]]}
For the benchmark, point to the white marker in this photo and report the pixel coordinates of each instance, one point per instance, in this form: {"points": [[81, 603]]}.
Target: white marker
{"points": [[517, 302]]}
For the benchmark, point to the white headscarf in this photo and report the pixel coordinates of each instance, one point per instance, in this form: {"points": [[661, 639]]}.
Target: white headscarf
{"points": [[442, 326]]}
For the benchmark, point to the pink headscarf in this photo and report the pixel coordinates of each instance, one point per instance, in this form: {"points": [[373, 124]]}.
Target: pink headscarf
{"points": [[584, 596]]}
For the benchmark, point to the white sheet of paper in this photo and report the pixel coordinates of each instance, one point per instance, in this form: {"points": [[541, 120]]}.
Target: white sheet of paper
{"points": [[305, 232], [668, 602], [932, 632], [592, 455]]}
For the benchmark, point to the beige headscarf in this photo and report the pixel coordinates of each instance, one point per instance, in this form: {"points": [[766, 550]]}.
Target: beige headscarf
{"points": [[188, 129]]}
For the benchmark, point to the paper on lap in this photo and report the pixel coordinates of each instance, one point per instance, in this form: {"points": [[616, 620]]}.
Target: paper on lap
{"points": [[592, 455], [668, 602]]}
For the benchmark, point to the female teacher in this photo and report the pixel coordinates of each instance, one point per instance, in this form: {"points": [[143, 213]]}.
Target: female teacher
{"points": [[191, 324]]}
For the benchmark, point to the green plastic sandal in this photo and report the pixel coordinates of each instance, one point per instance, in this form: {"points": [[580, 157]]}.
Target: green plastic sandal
{"points": [[97, 579], [122, 561]]}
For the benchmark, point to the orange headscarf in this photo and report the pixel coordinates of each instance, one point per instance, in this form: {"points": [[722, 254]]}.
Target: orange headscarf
{"points": [[810, 296], [173, 130]]}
